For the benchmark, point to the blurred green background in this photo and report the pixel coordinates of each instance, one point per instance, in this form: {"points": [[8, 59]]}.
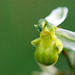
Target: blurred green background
{"points": [[17, 18]]}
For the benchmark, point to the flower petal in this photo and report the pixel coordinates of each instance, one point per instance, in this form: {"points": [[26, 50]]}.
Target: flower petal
{"points": [[57, 16], [67, 38]]}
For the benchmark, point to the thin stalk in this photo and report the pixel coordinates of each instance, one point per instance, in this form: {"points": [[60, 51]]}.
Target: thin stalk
{"points": [[68, 60], [74, 65]]}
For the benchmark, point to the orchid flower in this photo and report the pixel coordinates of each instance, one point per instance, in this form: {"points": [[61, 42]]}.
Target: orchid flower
{"points": [[67, 37], [53, 39]]}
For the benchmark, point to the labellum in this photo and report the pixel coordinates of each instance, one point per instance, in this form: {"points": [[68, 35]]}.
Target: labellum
{"points": [[48, 46]]}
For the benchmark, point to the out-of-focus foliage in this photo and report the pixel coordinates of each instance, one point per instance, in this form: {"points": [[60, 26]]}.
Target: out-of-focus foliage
{"points": [[17, 18]]}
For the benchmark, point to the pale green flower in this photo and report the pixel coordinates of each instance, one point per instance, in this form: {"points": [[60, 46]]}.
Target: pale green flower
{"points": [[49, 26], [53, 39]]}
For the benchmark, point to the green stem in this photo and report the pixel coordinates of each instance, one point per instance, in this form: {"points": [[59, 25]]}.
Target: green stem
{"points": [[68, 60], [74, 66]]}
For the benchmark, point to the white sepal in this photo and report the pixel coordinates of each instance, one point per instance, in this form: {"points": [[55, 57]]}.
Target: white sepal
{"points": [[57, 16], [67, 37]]}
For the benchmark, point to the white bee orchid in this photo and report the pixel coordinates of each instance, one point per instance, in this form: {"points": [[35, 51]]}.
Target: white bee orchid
{"points": [[56, 17], [67, 37]]}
